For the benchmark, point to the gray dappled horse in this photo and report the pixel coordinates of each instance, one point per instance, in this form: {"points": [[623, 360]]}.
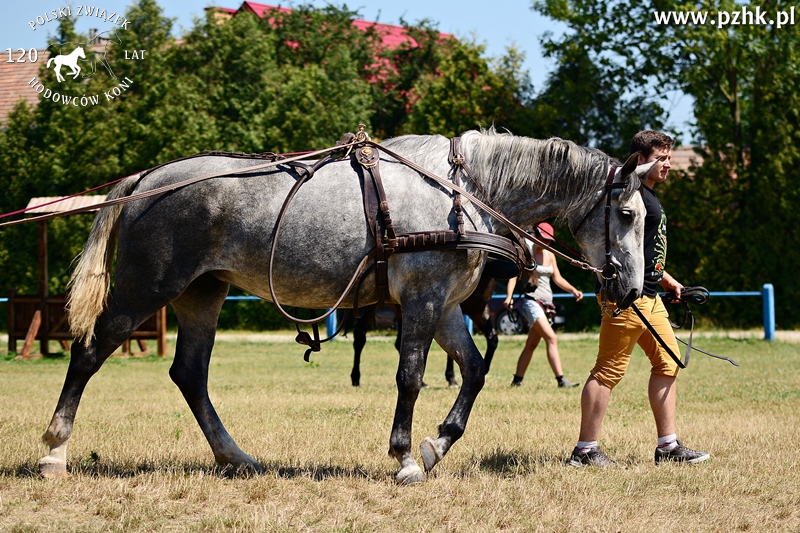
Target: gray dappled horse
{"points": [[188, 246]]}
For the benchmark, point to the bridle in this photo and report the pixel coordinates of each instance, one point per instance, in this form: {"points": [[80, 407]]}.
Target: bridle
{"points": [[609, 270]]}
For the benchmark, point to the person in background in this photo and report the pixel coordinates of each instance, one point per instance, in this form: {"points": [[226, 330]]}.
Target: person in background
{"points": [[538, 301], [620, 332]]}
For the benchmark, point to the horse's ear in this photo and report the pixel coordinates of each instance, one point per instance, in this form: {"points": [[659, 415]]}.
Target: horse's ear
{"points": [[630, 165], [629, 176], [642, 170]]}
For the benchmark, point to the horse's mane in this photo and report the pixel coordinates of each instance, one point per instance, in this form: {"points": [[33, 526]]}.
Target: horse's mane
{"points": [[556, 167]]}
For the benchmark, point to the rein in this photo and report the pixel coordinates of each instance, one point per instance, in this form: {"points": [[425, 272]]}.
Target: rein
{"points": [[368, 156], [515, 229], [694, 295], [279, 160]]}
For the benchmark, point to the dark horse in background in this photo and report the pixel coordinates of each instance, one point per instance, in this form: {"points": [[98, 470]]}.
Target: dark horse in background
{"points": [[474, 307], [187, 246]]}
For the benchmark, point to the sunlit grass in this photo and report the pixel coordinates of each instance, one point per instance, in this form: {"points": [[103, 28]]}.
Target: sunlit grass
{"points": [[139, 462]]}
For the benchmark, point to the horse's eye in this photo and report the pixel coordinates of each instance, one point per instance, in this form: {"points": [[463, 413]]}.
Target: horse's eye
{"points": [[627, 214]]}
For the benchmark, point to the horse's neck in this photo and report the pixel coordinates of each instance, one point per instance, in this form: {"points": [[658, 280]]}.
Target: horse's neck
{"points": [[527, 204], [526, 207]]}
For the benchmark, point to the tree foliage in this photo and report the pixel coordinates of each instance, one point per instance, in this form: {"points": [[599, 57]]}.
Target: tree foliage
{"points": [[288, 82], [733, 219]]}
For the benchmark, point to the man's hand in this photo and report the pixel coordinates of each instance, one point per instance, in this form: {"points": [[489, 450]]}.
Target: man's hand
{"points": [[670, 284]]}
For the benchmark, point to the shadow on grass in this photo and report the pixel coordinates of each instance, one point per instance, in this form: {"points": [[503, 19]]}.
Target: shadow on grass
{"points": [[515, 462], [114, 470]]}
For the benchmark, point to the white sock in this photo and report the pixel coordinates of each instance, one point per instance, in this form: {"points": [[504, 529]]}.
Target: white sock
{"points": [[586, 445], [668, 442]]}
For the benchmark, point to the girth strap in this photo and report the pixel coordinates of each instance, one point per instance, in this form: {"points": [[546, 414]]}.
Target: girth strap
{"points": [[451, 240]]}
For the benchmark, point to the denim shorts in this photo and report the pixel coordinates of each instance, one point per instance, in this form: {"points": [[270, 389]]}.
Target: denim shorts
{"points": [[531, 310]]}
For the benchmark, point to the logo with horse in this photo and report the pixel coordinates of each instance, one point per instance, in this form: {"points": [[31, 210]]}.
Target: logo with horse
{"points": [[70, 54]]}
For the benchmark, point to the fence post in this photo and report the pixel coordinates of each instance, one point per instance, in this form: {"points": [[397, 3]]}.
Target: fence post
{"points": [[330, 324], [468, 322], [768, 301]]}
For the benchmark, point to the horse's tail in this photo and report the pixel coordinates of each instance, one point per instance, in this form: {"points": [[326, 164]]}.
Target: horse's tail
{"points": [[90, 282], [49, 61]]}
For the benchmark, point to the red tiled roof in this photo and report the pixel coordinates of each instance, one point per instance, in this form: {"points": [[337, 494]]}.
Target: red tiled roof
{"points": [[683, 157], [393, 36], [14, 78]]}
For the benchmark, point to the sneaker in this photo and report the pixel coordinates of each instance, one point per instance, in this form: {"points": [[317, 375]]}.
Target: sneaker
{"points": [[681, 454], [594, 457], [564, 383]]}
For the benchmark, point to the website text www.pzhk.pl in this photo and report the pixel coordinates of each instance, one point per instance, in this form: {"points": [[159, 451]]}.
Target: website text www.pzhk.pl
{"points": [[746, 16]]}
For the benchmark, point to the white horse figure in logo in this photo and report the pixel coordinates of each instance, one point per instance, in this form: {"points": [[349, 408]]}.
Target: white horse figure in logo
{"points": [[70, 60]]}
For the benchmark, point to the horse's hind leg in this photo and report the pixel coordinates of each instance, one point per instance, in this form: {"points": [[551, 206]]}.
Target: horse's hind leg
{"points": [[453, 337], [197, 310], [491, 342], [114, 326]]}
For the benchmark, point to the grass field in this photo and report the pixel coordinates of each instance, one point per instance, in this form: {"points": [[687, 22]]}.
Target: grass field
{"points": [[139, 462]]}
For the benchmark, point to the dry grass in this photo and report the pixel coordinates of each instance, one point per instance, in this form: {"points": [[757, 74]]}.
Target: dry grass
{"points": [[138, 461]]}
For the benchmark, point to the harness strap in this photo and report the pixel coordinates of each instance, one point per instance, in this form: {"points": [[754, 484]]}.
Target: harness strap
{"points": [[276, 232], [174, 186], [459, 163], [375, 204], [456, 160], [513, 228], [451, 240]]}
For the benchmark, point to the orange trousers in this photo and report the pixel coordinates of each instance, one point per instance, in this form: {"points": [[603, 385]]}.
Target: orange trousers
{"points": [[619, 334]]}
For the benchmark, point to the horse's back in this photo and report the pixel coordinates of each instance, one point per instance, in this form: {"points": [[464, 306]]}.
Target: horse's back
{"points": [[226, 224]]}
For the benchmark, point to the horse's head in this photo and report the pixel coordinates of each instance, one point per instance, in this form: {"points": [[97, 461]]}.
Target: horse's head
{"points": [[623, 239], [80, 52]]}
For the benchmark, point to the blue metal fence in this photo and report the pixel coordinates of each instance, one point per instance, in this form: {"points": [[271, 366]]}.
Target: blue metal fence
{"points": [[767, 295]]}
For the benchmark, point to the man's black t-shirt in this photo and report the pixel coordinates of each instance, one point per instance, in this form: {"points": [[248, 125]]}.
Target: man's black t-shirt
{"points": [[655, 241]]}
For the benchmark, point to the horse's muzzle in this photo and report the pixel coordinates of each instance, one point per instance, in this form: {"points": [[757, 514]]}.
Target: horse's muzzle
{"points": [[628, 300]]}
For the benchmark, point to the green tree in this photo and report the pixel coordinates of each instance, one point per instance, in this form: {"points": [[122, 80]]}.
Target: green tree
{"points": [[289, 82], [733, 219], [464, 91]]}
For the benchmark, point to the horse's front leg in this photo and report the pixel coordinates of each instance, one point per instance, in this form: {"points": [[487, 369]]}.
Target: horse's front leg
{"points": [[454, 338], [418, 330]]}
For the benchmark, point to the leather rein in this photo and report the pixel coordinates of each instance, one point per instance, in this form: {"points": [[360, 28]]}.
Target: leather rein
{"points": [[387, 241]]}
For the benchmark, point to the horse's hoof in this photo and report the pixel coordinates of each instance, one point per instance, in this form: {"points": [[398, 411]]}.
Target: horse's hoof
{"points": [[453, 384], [52, 470], [249, 470], [430, 455], [410, 475]]}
